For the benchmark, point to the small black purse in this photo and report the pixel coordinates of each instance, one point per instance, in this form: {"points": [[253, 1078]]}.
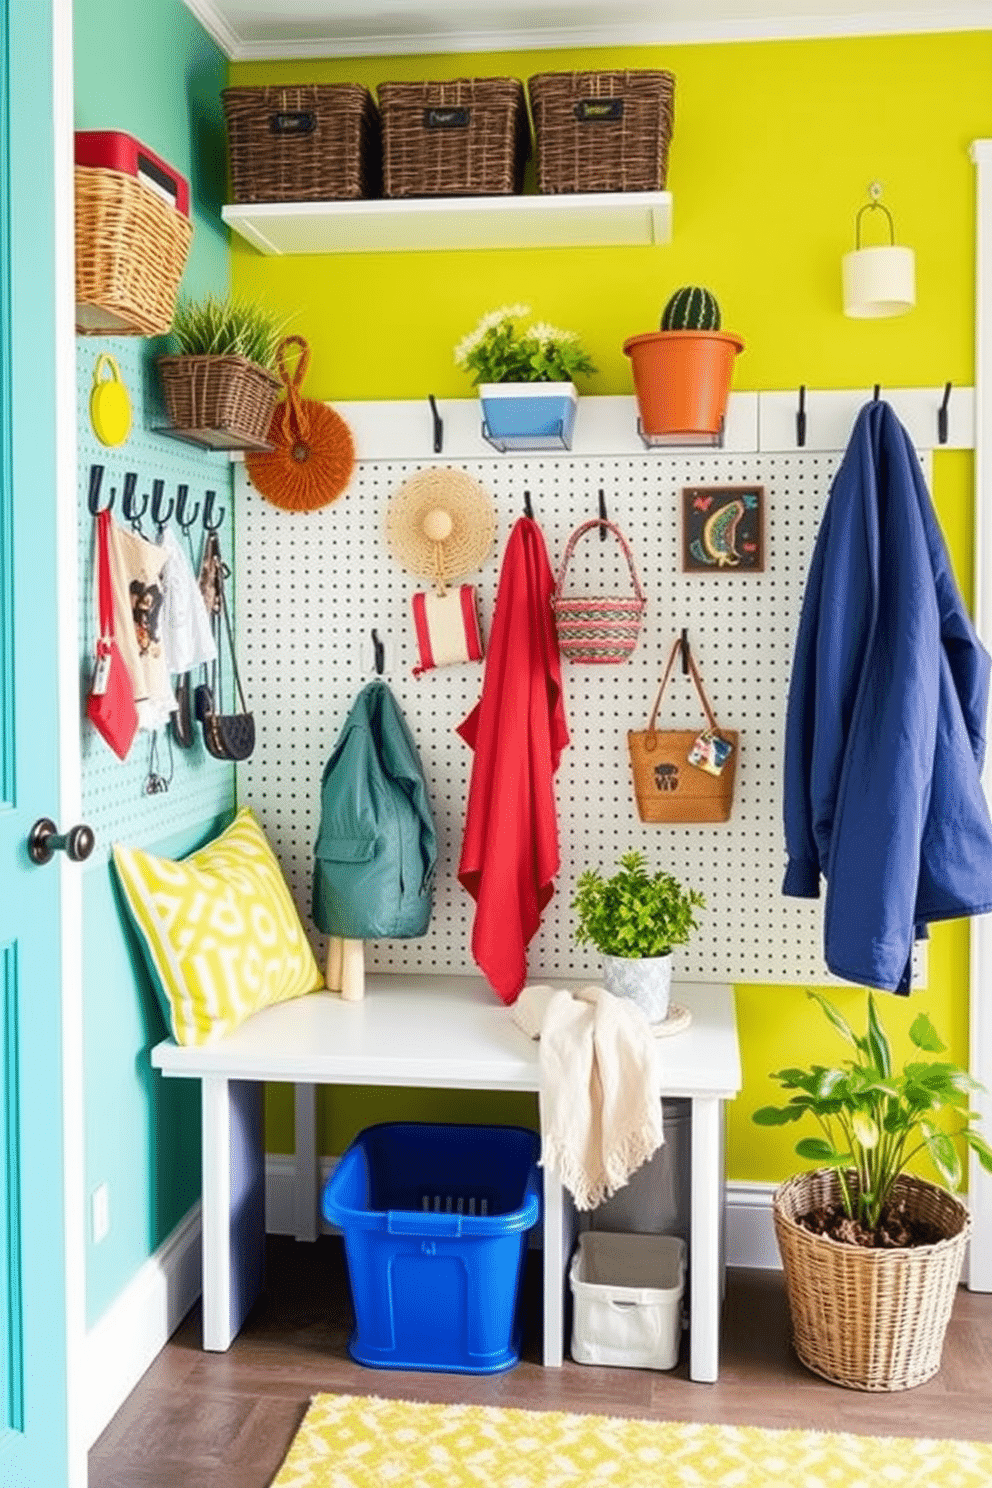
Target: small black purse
{"points": [[227, 736]]}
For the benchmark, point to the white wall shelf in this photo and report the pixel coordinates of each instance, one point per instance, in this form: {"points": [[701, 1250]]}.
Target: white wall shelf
{"points": [[418, 224]]}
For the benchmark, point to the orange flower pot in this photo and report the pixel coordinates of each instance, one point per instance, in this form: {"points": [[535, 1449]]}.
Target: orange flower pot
{"points": [[682, 379]]}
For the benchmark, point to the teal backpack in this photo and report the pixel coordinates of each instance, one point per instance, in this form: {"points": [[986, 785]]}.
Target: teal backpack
{"points": [[376, 851]]}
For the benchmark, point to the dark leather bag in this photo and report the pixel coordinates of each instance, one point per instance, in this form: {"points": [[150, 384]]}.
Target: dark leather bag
{"points": [[227, 736]]}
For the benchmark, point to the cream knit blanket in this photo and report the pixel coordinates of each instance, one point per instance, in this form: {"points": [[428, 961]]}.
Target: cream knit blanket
{"points": [[600, 1097]]}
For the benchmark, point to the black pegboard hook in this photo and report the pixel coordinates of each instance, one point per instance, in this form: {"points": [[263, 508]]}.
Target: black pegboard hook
{"points": [[942, 415], [209, 525], [801, 417], [603, 534], [379, 652], [438, 424], [93, 499]]}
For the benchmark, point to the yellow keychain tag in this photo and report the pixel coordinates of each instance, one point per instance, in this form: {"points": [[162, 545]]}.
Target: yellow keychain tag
{"points": [[110, 405]]}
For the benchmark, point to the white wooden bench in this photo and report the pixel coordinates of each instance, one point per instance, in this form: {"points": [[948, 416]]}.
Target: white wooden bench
{"points": [[432, 1032]]}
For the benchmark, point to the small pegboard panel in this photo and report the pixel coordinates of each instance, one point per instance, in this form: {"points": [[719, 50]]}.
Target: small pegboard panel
{"points": [[115, 800], [312, 587]]}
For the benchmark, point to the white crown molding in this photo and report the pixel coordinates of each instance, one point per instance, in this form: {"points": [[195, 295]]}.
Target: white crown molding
{"points": [[972, 15], [217, 26]]}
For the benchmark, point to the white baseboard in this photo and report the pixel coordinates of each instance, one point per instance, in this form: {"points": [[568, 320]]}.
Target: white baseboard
{"points": [[750, 1234], [138, 1323]]}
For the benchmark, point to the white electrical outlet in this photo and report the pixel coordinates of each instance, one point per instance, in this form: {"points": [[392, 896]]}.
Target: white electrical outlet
{"points": [[100, 1213]]}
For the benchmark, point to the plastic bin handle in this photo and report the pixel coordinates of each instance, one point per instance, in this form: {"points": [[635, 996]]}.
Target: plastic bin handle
{"points": [[422, 1222]]}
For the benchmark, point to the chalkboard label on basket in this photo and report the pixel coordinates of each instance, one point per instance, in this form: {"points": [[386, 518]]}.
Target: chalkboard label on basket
{"points": [[599, 110], [302, 122], [447, 118]]}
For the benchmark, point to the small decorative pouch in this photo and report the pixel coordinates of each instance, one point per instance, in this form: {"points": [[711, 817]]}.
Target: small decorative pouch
{"points": [[447, 627]]}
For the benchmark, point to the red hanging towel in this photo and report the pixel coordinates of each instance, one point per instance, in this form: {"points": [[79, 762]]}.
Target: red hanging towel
{"points": [[518, 730]]}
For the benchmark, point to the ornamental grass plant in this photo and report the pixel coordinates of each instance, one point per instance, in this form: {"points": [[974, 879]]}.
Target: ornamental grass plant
{"points": [[214, 326]]}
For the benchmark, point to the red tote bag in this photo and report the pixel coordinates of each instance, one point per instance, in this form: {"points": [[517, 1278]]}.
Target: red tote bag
{"points": [[110, 706]]}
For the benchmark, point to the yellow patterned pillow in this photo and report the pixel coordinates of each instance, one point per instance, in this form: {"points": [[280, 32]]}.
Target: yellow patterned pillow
{"points": [[219, 929]]}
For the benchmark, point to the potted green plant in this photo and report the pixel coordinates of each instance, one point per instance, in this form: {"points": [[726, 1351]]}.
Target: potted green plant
{"points": [[526, 379], [634, 919], [220, 388], [682, 371], [872, 1253]]}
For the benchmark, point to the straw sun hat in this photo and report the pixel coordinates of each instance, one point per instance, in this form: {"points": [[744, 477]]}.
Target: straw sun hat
{"points": [[440, 524]]}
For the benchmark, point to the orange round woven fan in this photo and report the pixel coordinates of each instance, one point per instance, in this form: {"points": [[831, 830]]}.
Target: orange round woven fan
{"points": [[313, 454]]}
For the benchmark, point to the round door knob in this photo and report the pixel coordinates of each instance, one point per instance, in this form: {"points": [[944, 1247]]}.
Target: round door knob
{"points": [[45, 840]]}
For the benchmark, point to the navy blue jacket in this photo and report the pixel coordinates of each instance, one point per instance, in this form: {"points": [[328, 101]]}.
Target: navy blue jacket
{"points": [[885, 730]]}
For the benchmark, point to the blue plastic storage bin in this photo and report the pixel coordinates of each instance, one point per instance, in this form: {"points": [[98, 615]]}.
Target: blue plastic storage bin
{"points": [[435, 1222]]}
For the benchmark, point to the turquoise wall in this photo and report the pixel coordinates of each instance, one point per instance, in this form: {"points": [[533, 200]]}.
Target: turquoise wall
{"points": [[148, 68]]}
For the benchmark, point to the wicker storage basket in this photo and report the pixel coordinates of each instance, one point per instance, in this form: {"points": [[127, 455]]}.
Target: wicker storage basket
{"points": [[227, 394], [602, 131], [131, 249], [869, 1319], [314, 142], [603, 629], [467, 137]]}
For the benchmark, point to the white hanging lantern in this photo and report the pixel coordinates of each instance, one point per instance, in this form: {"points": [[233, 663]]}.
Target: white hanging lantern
{"points": [[878, 281]]}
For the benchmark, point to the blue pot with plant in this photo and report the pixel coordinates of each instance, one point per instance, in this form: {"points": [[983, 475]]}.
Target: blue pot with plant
{"points": [[525, 376]]}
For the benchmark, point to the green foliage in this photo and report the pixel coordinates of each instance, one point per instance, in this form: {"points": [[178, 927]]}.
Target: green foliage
{"points": [[500, 350], [634, 913], [228, 327], [874, 1120], [691, 308]]}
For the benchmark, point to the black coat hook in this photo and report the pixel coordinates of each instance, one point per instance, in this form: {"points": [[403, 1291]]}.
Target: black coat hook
{"points": [[209, 525], [133, 513], [942, 415], [801, 417], [160, 517], [878, 389], [380, 654], [185, 522], [438, 425], [528, 509], [602, 515], [684, 648], [93, 499]]}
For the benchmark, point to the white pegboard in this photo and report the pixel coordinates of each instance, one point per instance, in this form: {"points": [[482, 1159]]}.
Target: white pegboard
{"points": [[311, 587], [115, 803]]}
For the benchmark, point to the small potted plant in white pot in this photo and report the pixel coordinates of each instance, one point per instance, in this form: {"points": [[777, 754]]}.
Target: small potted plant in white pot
{"points": [[871, 1252], [634, 920], [526, 379], [221, 388]]}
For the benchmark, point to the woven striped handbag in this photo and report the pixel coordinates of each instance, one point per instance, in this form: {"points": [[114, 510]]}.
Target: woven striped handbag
{"points": [[604, 628]]}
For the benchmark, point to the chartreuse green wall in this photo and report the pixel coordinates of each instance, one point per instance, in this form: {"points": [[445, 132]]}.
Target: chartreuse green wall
{"points": [[775, 144]]}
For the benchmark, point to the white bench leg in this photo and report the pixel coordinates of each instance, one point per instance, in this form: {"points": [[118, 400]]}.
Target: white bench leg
{"points": [[233, 1206], [559, 1236], [705, 1247], [306, 1186]]}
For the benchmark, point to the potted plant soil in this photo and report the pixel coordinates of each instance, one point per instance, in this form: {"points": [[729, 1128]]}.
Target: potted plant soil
{"points": [[682, 372], [526, 379], [634, 920], [221, 388], [872, 1253]]}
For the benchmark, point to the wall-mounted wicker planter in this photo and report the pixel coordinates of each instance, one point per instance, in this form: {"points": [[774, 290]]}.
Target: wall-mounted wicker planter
{"points": [[869, 1319], [223, 402]]}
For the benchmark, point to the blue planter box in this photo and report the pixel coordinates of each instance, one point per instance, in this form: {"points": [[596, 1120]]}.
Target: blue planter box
{"points": [[528, 415]]}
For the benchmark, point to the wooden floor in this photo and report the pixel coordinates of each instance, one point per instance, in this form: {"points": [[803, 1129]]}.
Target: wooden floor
{"points": [[201, 1420]]}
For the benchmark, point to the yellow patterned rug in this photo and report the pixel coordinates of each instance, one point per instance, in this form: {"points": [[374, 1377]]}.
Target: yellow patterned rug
{"points": [[360, 1441]]}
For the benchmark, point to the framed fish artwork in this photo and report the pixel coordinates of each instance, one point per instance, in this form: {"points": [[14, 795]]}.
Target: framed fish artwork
{"points": [[723, 529]]}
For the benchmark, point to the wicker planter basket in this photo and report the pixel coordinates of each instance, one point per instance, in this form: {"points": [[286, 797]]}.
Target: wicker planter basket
{"points": [[131, 249], [467, 137], [869, 1319], [315, 142], [227, 394], [602, 131]]}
